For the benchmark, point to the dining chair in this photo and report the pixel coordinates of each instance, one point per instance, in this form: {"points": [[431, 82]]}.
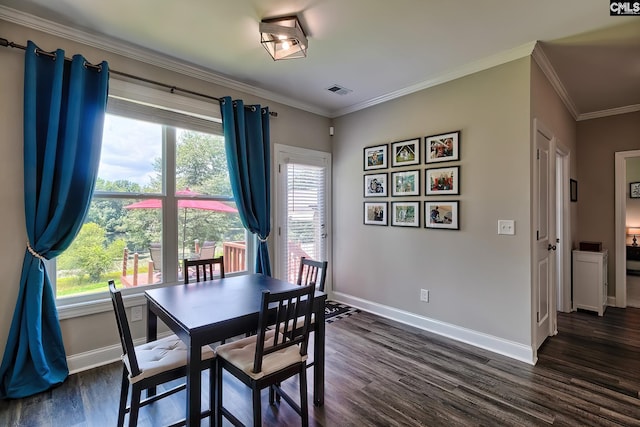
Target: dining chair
{"points": [[268, 358], [152, 364], [203, 269], [312, 272]]}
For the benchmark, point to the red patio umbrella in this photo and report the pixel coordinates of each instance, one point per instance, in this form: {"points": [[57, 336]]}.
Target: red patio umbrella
{"points": [[208, 205]]}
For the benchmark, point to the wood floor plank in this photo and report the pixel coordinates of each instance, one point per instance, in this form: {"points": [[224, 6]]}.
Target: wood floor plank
{"points": [[382, 373]]}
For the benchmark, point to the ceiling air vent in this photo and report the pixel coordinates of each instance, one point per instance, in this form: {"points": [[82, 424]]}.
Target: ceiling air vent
{"points": [[339, 89]]}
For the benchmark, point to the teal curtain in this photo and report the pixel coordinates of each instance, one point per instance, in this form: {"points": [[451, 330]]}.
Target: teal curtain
{"points": [[246, 136], [64, 107]]}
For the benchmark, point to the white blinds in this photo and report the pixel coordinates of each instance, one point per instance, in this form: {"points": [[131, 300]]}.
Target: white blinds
{"points": [[305, 207]]}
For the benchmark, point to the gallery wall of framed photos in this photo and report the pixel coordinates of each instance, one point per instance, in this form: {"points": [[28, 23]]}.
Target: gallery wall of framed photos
{"points": [[405, 188]]}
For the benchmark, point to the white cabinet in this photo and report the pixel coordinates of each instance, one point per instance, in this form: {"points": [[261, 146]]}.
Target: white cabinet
{"points": [[590, 281]]}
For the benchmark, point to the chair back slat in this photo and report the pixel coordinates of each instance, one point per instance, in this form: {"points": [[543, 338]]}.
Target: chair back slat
{"points": [[123, 328], [289, 306], [312, 273], [203, 269]]}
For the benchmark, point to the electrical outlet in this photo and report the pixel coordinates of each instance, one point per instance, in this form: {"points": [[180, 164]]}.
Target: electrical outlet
{"points": [[506, 226], [424, 295], [136, 313]]}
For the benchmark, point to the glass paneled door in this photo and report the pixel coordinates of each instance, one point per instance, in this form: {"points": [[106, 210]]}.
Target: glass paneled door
{"points": [[302, 229]]}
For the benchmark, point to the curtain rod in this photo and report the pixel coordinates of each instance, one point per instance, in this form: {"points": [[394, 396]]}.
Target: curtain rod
{"points": [[6, 43]]}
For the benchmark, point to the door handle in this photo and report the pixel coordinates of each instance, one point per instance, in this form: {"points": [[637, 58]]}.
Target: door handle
{"points": [[551, 247]]}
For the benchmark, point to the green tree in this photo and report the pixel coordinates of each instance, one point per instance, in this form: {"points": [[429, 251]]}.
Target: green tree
{"points": [[89, 252]]}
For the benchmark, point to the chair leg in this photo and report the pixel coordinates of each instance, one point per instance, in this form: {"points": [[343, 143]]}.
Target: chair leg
{"points": [[124, 391], [136, 394], [257, 407], [304, 401], [212, 392], [272, 394], [218, 393]]}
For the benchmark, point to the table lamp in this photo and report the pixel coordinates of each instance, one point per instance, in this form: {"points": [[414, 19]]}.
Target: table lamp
{"points": [[633, 231]]}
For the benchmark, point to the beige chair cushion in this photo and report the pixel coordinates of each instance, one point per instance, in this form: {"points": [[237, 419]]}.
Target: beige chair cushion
{"points": [[161, 356], [241, 354]]}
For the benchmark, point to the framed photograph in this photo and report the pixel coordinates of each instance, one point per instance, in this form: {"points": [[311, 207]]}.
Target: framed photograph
{"points": [[440, 181], [405, 214], [375, 213], [405, 152], [375, 185], [375, 157], [442, 214], [634, 190], [573, 190], [405, 183], [442, 148]]}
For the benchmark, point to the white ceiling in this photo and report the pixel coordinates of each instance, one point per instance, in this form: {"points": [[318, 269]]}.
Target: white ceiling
{"points": [[379, 49]]}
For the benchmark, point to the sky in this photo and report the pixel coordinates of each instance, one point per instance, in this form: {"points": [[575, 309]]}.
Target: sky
{"points": [[129, 148]]}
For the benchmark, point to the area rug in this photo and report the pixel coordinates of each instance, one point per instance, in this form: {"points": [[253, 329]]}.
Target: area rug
{"points": [[334, 311]]}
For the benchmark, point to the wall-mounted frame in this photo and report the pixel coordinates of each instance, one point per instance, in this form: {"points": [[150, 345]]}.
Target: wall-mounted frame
{"points": [[405, 183], [405, 153], [442, 181], [405, 214], [442, 148], [375, 185], [442, 214], [634, 190], [375, 213], [573, 190], [375, 157]]}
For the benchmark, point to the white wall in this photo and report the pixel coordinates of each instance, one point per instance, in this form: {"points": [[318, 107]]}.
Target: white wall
{"points": [[89, 334], [479, 282]]}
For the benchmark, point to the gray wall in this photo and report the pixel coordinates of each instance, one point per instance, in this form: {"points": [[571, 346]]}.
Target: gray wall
{"points": [[291, 127], [477, 280], [598, 141]]}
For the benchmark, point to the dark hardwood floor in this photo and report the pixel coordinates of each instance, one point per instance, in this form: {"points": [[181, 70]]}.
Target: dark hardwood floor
{"points": [[382, 373]]}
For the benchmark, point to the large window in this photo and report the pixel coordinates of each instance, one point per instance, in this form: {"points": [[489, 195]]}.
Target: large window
{"points": [[162, 195]]}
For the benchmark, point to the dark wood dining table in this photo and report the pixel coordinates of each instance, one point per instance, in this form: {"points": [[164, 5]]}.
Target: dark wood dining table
{"points": [[207, 312]]}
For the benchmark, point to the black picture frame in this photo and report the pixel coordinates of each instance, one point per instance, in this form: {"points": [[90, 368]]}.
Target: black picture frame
{"points": [[634, 190], [376, 184], [375, 157], [405, 214], [376, 213], [573, 190]]}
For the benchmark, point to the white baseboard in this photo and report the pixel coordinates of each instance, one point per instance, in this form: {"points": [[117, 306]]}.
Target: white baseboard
{"points": [[100, 356], [501, 346]]}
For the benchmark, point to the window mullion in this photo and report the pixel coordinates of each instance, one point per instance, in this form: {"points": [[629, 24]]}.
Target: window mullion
{"points": [[170, 209]]}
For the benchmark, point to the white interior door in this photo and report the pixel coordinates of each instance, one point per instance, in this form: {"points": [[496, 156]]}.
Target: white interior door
{"points": [[544, 255], [303, 227]]}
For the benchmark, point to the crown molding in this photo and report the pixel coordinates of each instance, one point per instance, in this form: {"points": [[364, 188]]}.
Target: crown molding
{"points": [[147, 56], [545, 65], [465, 70], [609, 112]]}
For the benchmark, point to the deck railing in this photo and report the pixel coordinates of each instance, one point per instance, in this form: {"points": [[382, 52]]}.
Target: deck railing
{"points": [[234, 256]]}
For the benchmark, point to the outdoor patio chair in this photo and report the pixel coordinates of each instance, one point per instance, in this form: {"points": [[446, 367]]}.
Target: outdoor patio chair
{"points": [[155, 250], [208, 250]]}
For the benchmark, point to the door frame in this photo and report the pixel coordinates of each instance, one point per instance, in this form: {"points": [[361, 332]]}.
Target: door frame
{"points": [[620, 227], [563, 230], [281, 153]]}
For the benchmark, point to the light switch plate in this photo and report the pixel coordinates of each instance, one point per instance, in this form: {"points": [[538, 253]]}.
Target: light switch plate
{"points": [[506, 226]]}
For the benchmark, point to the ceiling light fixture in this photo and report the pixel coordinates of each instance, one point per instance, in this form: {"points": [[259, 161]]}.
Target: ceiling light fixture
{"points": [[283, 38]]}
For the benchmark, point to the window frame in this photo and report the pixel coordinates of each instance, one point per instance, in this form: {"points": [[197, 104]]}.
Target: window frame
{"points": [[171, 111]]}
